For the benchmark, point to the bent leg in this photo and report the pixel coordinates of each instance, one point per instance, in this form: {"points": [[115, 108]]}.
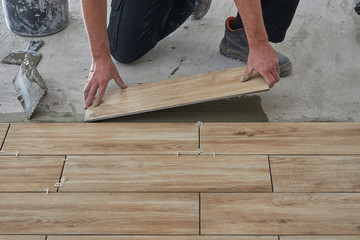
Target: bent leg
{"points": [[136, 26], [277, 15]]}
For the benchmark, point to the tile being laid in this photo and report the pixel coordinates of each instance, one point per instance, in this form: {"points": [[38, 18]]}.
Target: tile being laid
{"points": [[169, 173], [101, 138], [175, 92], [29, 173]]}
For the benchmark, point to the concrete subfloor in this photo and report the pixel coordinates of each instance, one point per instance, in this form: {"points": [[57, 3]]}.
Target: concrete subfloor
{"points": [[323, 43]]}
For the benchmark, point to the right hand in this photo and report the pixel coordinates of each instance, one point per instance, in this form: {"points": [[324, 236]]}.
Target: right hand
{"points": [[101, 72], [264, 59]]}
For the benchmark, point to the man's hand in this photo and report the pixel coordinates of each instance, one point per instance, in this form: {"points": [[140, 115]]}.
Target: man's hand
{"points": [[264, 59], [101, 72], [262, 56]]}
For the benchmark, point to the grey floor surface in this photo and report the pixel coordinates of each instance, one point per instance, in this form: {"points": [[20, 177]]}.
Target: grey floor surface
{"points": [[323, 43]]}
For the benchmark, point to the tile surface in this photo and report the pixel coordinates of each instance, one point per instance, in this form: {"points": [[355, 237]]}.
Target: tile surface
{"points": [[174, 93], [167, 173], [280, 213], [101, 138], [336, 173], [29, 173], [111, 213], [281, 138]]}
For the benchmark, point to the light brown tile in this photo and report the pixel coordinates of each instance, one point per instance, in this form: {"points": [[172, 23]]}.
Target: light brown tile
{"points": [[320, 173], [167, 173], [101, 138], [174, 93], [29, 173], [280, 213], [68, 213], [281, 138]]}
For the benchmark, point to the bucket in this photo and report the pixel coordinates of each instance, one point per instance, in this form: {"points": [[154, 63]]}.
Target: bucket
{"points": [[36, 17]]}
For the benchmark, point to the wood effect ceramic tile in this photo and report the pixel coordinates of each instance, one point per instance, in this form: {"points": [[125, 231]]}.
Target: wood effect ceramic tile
{"points": [[29, 173], [320, 173], [168, 173], [3, 129], [175, 92], [281, 138], [162, 237], [319, 237], [21, 237], [106, 213], [280, 213], [101, 138]]}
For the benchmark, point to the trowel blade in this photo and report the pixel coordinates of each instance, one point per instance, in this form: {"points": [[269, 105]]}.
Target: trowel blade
{"points": [[29, 85]]}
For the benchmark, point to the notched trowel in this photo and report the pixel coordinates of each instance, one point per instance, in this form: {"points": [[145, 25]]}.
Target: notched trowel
{"points": [[17, 57], [29, 85]]}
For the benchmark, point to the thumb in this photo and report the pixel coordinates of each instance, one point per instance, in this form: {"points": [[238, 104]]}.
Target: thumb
{"points": [[119, 81], [247, 74]]}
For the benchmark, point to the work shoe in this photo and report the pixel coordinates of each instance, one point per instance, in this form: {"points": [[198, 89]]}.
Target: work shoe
{"points": [[235, 46], [201, 8]]}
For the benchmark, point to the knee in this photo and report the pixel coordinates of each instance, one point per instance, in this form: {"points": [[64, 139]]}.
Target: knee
{"points": [[125, 56]]}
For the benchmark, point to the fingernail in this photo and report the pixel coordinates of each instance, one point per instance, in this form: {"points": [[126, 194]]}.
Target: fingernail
{"points": [[243, 79]]}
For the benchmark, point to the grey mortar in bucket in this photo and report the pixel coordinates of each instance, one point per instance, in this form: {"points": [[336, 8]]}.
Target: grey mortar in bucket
{"points": [[36, 17]]}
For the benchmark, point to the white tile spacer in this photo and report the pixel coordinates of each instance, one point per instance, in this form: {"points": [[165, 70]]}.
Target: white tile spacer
{"points": [[177, 153], [16, 153], [199, 123], [214, 154], [47, 190], [199, 151], [58, 184]]}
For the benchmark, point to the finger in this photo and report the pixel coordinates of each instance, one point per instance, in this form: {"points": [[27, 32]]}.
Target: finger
{"points": [[119, 81], [278, 69], [269, 78], [248, 71], [87, 90], [101, 93], [89, 100]]}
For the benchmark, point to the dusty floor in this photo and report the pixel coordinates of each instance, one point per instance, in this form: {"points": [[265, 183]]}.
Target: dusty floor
{"points": [[323, 43]]}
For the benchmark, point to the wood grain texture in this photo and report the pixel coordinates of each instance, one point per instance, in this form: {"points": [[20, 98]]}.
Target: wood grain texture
{"points": [[3, 129], [29, 173], [337, 173], [101, 138], [62, 213], [167, 173], [175, 92], [281, 138], [319, 237], [276, 213], [162, 238], [22, 237]]}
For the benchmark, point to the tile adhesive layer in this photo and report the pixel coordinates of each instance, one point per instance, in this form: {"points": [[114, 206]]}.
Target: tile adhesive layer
{"points": [[174, 93]]}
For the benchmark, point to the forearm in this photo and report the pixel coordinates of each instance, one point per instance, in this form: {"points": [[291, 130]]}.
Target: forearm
{"points": [[94, 12], [251, 16]]}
